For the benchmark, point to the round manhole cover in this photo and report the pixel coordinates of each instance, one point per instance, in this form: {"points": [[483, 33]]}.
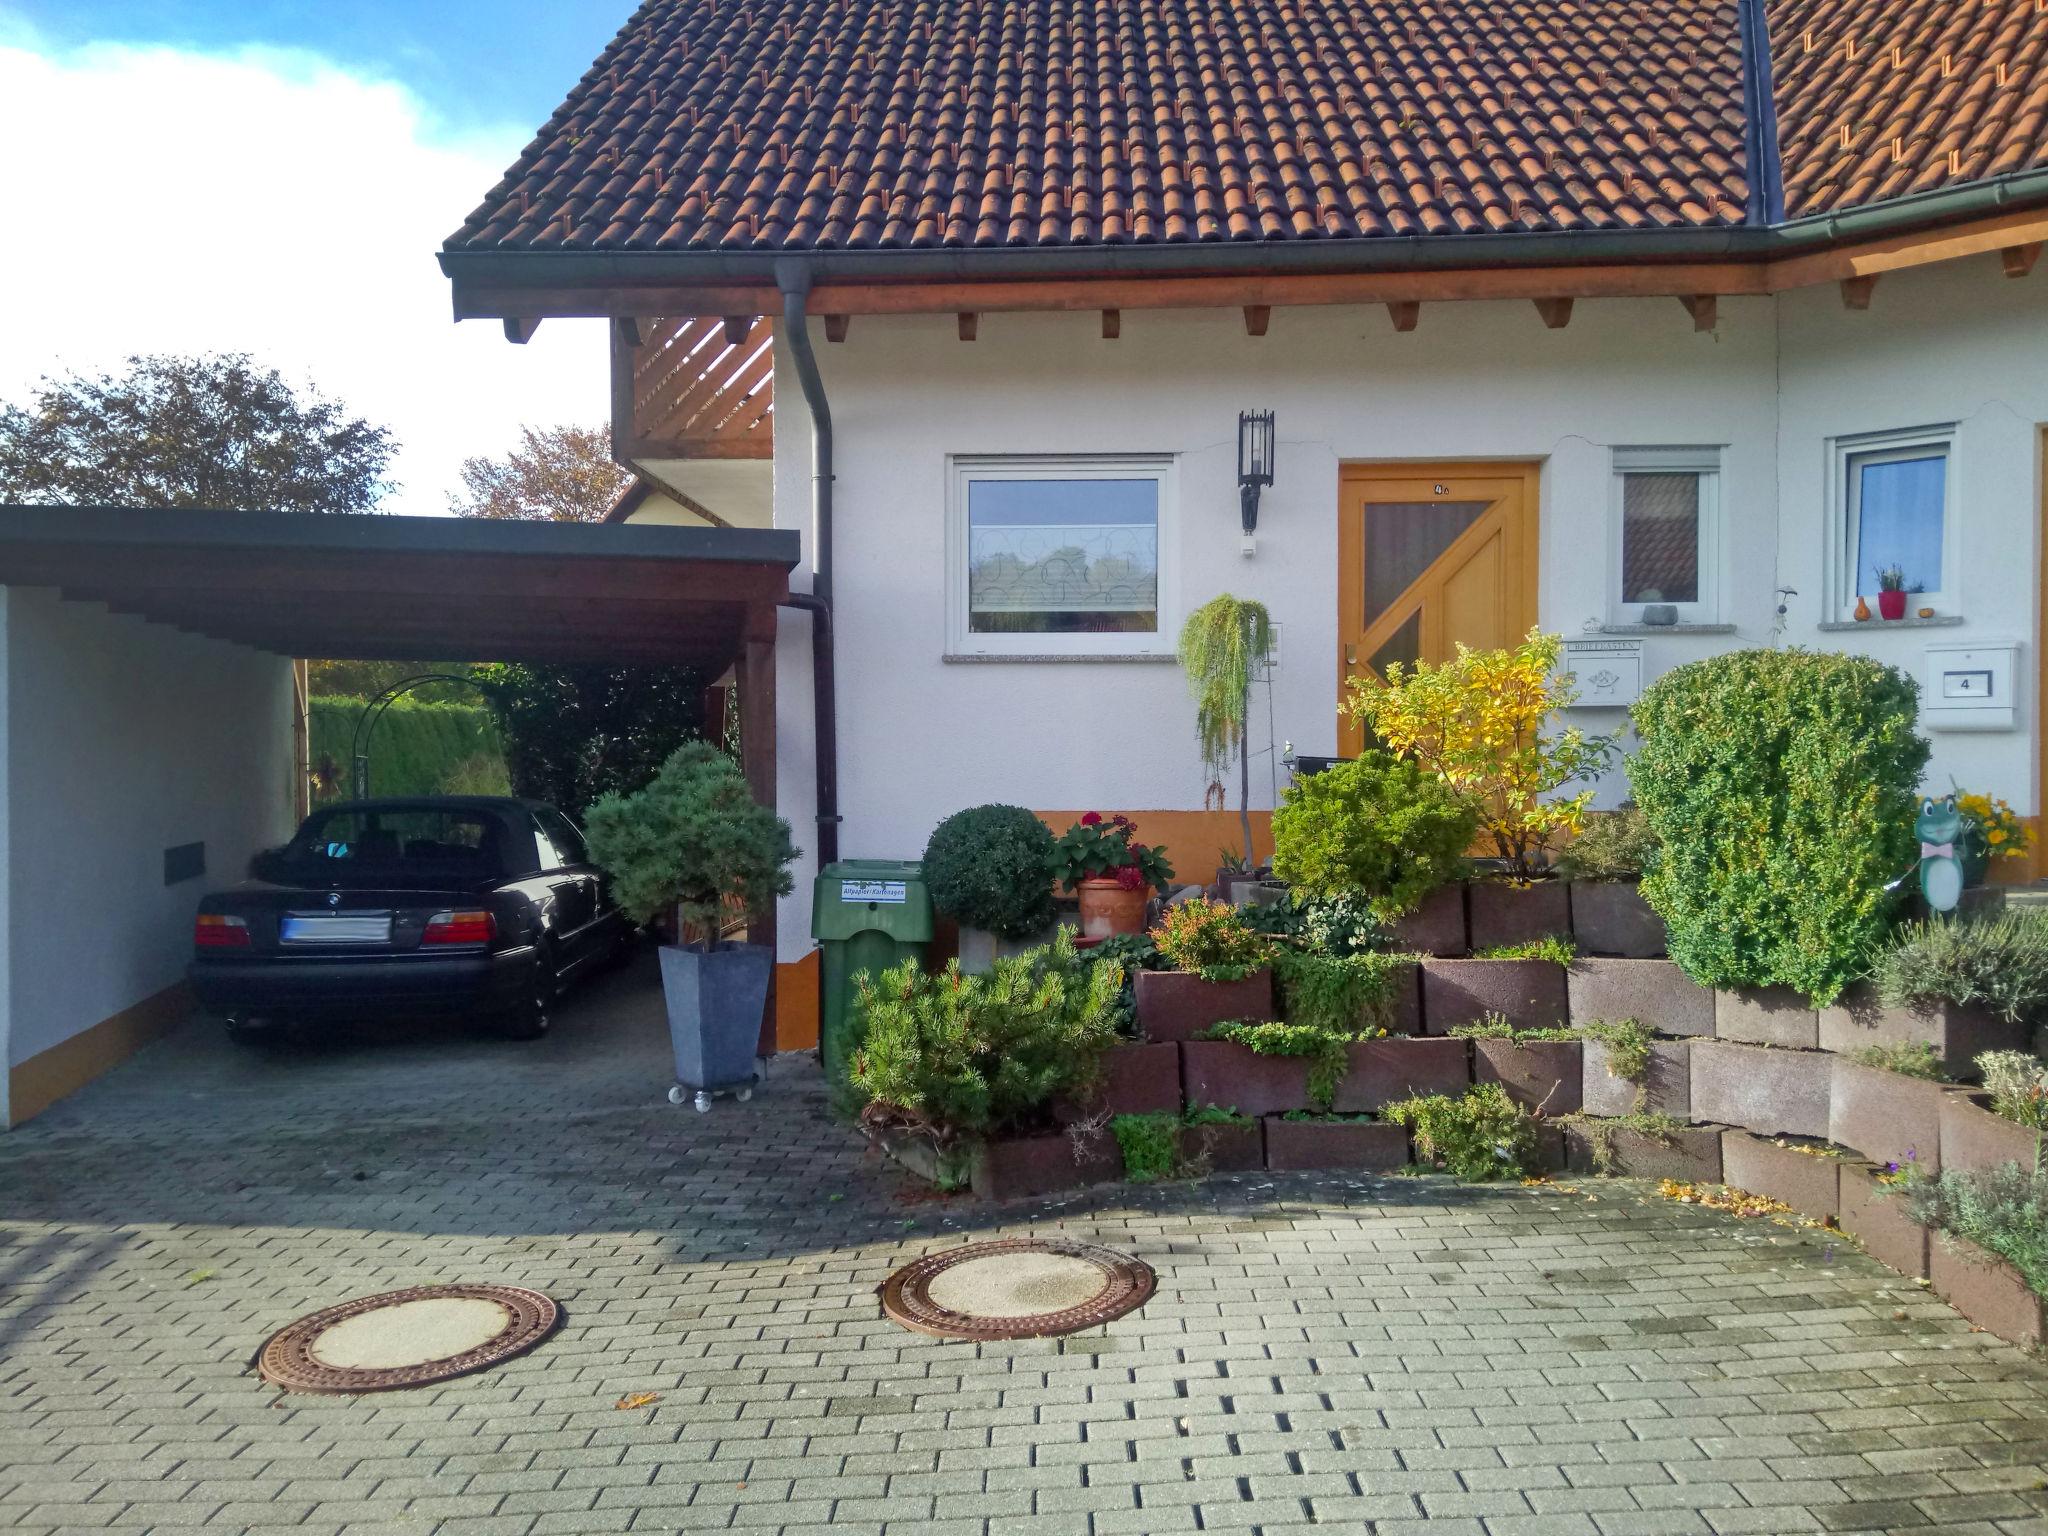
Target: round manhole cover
{"points": [[1019, 1288], [406, 1338]]}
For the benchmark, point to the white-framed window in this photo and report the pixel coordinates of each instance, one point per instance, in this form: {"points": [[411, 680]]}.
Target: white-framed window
{"points": [[1059, 556], [1664, 533], [1893, 504]]}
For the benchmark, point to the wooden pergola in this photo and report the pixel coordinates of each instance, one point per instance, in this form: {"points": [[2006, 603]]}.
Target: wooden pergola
{"points": [[408, 588]]}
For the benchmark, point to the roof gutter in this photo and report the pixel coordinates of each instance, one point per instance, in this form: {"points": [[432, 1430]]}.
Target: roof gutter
{"points": [[475, 273], [794, 279]]}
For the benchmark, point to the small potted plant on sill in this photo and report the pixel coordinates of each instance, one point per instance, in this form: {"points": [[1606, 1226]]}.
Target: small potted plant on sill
{"points": [[1112, 873], [986, 867], [1891, 592], [1480, 723], [694, 843]]}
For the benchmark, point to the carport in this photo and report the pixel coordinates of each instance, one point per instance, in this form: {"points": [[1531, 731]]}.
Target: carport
{"points": [[146, 709]]}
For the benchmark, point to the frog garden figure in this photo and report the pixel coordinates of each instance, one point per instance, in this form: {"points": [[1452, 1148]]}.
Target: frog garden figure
{"points": [[1940, 829]]}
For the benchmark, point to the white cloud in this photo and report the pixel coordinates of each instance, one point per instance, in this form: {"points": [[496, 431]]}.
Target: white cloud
{"points": [[154, 199]]}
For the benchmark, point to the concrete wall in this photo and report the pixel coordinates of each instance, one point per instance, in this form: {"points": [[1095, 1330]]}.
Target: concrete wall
{"points": [[121, 739], [921, 737]]}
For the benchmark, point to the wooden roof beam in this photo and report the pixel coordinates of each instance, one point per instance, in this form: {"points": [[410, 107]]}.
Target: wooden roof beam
{"points": [[2018, 260], [1704, 309], [520, 332], [1556, 313], [835, 327], [1404, 313], [1256, 318], [1112, 324], [969, 323], [1856, 291], [737, 329]]}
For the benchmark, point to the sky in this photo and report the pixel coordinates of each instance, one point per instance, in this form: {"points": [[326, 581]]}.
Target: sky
{"points": [[276, 179]]}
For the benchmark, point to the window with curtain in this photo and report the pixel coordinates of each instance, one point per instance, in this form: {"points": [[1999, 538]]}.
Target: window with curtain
{"points": [[1664, 503], [1058, 556]]}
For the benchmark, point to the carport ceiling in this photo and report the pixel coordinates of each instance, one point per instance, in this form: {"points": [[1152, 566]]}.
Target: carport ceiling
{"points": [[414, 588]]}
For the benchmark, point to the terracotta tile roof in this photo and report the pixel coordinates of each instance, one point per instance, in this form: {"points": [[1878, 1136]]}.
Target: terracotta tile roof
{"points": [[750, 124], [763, 125], [1877, 101]]}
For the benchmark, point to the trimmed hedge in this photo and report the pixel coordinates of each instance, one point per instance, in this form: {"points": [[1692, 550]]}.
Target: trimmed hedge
{"points": [[1781, 786], [418, 748]]}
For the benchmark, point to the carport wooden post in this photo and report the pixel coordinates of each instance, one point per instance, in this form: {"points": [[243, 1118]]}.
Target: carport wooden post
{"points": [[757, 760]]}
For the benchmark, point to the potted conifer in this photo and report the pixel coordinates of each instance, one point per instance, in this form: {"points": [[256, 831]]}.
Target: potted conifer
{"points": [[694, 842]]}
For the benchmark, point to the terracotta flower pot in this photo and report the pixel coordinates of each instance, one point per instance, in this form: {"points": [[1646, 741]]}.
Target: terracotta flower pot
{"points": [[1107, 908], [1891, 605]]}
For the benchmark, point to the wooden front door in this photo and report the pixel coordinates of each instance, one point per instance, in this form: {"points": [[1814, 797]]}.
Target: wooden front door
{"points": [[1431, 556]]}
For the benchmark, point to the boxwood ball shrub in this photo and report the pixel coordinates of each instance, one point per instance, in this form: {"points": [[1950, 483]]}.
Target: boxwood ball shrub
{"points": [[1379, 827], [1780, 786], [989, 867]]}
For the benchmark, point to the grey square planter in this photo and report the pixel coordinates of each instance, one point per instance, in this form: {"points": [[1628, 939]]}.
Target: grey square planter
{"points": [[1959, 1035], [1610, 917], [1437, 925], [1655, 993], [1666, 1088], [1767, 1016], [1887, 1116], [1808, 1182], [715, 1002], [1541, 1074], [1529, 993], [980, 949], [1776, 1093], [1502, 913]]}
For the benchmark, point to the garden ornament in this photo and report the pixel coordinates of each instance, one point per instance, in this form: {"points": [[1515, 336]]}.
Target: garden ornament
{"points": [[1940, 830]]}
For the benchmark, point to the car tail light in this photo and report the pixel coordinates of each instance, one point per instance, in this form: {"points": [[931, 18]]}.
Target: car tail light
{"points": [[460, 928], [217, 930]]}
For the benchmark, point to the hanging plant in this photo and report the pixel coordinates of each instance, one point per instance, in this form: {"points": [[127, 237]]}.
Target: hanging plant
{"points": [[1223, 645]]}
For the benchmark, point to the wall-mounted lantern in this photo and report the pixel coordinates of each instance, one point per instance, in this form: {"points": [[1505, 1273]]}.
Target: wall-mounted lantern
{"points": [[1254, 468]]}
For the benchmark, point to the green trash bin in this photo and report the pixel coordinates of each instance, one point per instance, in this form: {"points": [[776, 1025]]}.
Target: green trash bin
{"points": [[867, 915]]}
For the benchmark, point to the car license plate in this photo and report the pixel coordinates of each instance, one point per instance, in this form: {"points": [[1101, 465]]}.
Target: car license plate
{"points": [[335, 928]]}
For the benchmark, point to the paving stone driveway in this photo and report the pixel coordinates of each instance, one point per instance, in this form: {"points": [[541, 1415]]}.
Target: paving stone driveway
{"points": [[1363, 1354]]}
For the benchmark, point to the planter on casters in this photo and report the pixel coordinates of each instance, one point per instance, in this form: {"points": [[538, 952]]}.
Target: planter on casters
{"points": [[715, 1001]]}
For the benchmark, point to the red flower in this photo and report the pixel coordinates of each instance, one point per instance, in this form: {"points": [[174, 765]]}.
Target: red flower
{"points": [[1092, 819], [1131, 878]]}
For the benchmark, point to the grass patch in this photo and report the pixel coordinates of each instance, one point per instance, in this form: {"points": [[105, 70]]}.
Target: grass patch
{"points": [[1912, 1058], [1481, 1135], [1554, 947]]}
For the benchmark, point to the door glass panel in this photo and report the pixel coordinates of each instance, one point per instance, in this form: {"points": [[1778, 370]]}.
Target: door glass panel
{"points": [[1402, 538], [1403, 645], [1660, 538]]}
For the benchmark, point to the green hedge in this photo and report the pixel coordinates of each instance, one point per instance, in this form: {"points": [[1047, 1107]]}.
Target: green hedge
{"points": [[1781, 789], [418, 748]]}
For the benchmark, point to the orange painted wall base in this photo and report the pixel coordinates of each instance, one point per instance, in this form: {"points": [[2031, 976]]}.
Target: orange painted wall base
{"points": [[1194, 840], [796, 1004], [34, 1085]]}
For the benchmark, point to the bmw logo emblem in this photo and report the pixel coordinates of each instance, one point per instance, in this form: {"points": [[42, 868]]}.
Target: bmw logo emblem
{"points": [[334, 898]]}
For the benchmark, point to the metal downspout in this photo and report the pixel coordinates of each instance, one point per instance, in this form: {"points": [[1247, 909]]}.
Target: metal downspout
{"points": [[794, 279]]}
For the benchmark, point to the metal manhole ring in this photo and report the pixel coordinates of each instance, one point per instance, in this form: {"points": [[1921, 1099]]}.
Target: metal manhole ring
{"points": [[1126, 1285], [289, 1359]]}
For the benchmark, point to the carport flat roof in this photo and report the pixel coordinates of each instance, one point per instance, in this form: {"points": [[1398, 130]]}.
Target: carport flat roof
{"points": [[357, 587]]}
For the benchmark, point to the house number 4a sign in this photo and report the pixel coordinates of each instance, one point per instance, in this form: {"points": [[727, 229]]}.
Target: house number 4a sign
{"points": [[1609, 673]]}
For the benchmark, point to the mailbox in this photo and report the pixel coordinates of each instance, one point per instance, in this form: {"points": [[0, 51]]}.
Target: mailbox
{"points": [[1968, 686], [1609, 672]]}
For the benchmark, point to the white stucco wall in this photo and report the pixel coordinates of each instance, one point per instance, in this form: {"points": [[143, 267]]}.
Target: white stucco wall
{"points": [[121, 739], [921, 737], [1958, 343]]}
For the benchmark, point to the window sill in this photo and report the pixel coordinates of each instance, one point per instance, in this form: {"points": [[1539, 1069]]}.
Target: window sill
{"points": [[1667, 629], [977, 658], [1843, 626]]}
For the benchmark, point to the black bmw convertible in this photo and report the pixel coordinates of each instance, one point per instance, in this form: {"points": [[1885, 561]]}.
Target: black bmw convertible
{"points": [[438, 904]]}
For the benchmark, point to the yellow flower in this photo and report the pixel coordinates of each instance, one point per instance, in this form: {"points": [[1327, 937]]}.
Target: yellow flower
{"points": [[1995, 836]]}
